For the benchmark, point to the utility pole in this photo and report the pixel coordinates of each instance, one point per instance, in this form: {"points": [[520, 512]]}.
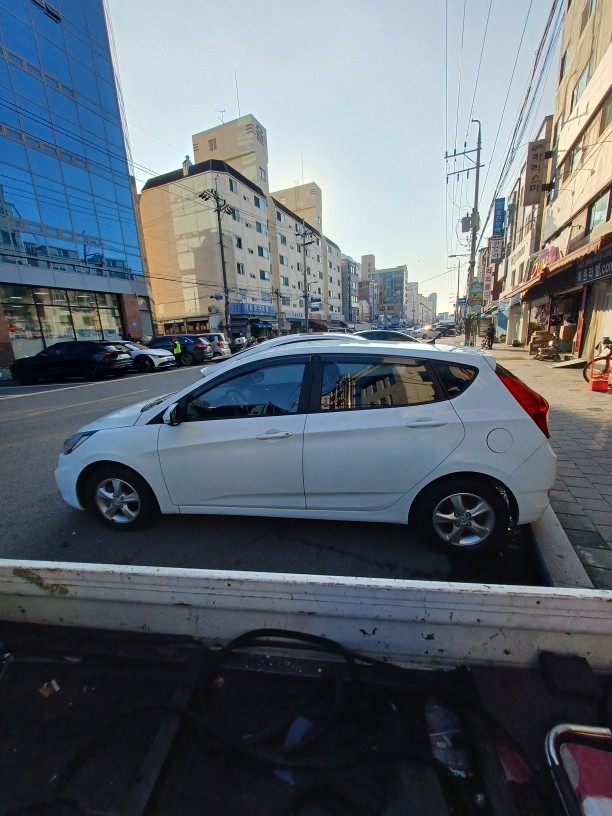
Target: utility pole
{"points": [[457, 298], [303, 234], [221, 206], [474, 220], [278, 308]]}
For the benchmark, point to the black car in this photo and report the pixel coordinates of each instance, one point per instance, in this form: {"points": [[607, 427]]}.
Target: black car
{"points": [[194, 347], [390, 335], [92, 359]]}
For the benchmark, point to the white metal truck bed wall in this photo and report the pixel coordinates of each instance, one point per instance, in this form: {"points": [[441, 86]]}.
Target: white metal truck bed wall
{"points": [[407, 622]]}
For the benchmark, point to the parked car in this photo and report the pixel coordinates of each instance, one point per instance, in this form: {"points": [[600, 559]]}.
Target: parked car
{"points": [[92, 359], [194, 347], [439, 437], [428, 332], [389, 335], [220, 346], [146, 359]]}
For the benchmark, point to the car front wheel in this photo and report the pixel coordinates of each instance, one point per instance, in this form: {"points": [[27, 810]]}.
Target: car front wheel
{"points": [[121, 498], [144, 364], [463, 515]]}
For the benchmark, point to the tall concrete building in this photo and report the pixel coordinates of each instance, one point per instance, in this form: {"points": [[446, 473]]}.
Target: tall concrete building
{"points": [[392, 294], [70, 258], [281, 272]]}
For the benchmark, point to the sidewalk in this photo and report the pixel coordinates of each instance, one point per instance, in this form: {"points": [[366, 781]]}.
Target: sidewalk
{"points": [[580, 422]]}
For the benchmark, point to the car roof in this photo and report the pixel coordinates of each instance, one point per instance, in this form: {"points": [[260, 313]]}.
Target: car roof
{"points": [[467, 355]]}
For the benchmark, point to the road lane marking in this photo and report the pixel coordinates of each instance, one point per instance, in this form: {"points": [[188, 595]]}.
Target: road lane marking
{"points": [[52, 391], [78, 404]]}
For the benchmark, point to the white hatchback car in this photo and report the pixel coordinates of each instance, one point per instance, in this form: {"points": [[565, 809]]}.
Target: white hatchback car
{"points": [[437, 436]]}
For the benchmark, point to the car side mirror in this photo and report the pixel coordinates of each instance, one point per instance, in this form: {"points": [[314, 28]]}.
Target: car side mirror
{"points": [[174, 415]]}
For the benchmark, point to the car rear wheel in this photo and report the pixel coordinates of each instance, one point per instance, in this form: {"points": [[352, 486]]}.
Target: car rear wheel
{"points": [[26, 378], [121, 498], [144, 364], [463, 515], [187, 358]]}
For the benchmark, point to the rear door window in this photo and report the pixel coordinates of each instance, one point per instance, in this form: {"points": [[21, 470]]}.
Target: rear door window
{"points": [[454, 378], [361, 383]]}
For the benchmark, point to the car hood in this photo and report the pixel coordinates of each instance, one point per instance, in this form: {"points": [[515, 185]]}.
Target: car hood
{"points": [[124, 417]]}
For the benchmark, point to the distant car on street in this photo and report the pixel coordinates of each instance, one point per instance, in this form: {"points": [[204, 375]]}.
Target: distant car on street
{"points": [[440, 437], [219, 343], [147, 359], [194, 347], [92, 359]]}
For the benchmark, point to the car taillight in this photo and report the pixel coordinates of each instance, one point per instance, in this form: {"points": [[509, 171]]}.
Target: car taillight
{"points": [[200, 345], [532, 402]]}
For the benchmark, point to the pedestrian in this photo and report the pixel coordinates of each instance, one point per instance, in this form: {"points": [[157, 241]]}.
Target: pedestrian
{"points": [[468, 330], [490, 335], [176, 348]]}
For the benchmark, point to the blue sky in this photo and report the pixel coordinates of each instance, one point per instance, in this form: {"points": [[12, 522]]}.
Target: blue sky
{"points": [[364, 98]]}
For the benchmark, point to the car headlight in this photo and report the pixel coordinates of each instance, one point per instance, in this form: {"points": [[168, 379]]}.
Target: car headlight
{"points": [[75, 440]]}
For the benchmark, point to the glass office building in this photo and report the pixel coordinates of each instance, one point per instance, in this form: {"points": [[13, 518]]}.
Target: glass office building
{"points": [[70, 259]]}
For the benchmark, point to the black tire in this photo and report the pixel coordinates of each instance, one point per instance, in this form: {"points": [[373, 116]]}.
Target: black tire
{"points": [[599, 364], [144, 364], [26, 378], [187, 358], [463, 515], [120, 498], [92, 372]]}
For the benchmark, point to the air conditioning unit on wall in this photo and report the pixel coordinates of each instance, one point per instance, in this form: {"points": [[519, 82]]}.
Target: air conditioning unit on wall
{"points": [[213, 310]]}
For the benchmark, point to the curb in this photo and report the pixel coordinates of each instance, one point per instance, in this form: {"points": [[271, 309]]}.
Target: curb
{"points": [[558, 559]]}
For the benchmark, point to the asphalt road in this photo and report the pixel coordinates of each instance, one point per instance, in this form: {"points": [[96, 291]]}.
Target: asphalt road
{"points": [[36, 524]]}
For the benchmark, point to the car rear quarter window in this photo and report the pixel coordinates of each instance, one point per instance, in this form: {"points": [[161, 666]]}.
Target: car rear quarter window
{"points": [[360, 384], [454, 378]]}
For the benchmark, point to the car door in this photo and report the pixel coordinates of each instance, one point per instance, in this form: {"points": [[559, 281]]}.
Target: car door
{"points": [[380, 425], [239, 444]]}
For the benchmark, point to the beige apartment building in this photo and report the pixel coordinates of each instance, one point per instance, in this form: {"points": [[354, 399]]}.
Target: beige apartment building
{"points": [[273, 246], [565, 283]]}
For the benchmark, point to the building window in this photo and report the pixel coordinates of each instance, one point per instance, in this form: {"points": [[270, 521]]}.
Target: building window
{"points": [[264, 275], [599, 212], [280, 217], [588, 9], [263, 252], [237, 242], [261, 228], [282, 239], [233, 185], [606, 114], [235, 214], [563, 67], [262, 174], [240, 269], [284, 280], [283, 260], [580, 86], [259, 203], [286, 301], [298, 266], [212, 144]]}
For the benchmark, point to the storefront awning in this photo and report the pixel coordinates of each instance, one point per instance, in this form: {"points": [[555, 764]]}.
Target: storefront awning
{"points": [[322, 325], [572, 257], [261, 324]]}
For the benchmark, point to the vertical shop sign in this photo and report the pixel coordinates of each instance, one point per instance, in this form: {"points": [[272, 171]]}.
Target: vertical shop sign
{"points": [[498, 216], [535, 170]]}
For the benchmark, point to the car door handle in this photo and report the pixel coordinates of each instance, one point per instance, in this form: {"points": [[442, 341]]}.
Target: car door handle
{"points": [[427, 423], [275, 435]]}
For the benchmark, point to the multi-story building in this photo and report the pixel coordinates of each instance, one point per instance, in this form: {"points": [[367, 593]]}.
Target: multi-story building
{"points": [[277, 273], [181, 233], [567, 285], [351, 275], [70, 258], [392, 295]]}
